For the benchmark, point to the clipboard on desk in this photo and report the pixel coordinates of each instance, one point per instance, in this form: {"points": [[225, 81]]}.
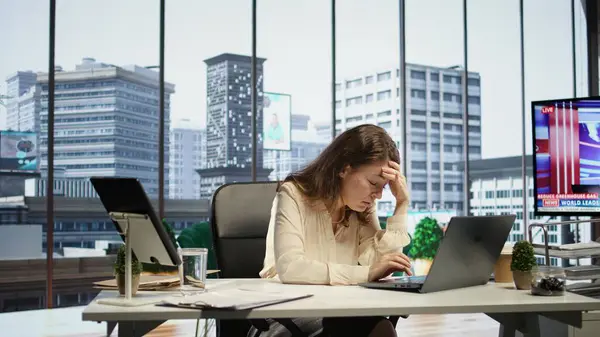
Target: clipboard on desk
{"points": [[232, 299]]}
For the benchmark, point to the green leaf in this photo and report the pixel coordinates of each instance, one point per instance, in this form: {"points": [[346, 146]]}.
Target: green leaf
{"points": [[199, 236], [523, 256], [136, 266], [426, 239]]}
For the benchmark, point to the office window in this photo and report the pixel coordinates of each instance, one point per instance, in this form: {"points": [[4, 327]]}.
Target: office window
{"points": [[353, 83], [369, 98], [453, 127], [417, 124], [417, 75], [418, 165], [384, 114], [383, 95], [435, 165], [435, 77], [473, 82], [452, 115], [450, 167], [384, 76], [385, 125], [474, 150], [434, 113], [449, 97], [416, 112], [353, 101], [369, 80], [435, 125], [474, 100], [474, 128], [417, 93], [435, 95], [418, 146], [418, 186]]}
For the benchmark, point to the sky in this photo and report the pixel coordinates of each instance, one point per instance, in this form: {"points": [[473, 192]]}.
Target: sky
{"points": [[295, 38]]}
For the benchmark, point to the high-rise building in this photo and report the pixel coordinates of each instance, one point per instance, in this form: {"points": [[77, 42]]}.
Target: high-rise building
{"points": [[305, 147], [229, 122], [185, 158], [23, 103], [106, 122], [435, 129], [497, 189]]}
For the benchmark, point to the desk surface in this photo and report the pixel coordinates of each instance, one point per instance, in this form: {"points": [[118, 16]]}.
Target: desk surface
{"points": [[335, 301]]}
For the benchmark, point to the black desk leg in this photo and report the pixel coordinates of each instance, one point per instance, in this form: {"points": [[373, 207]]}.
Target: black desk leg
{"points": [[517, 324]]}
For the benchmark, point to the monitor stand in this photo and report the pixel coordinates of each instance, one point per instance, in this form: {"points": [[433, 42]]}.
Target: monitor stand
{"points": [[127, 221]]}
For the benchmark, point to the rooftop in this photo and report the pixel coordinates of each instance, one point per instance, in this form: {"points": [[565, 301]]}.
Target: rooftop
{"points": [[501, 167], [232, 57]]}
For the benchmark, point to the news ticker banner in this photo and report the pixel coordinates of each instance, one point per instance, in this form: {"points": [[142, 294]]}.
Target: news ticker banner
{"points": [[568, 202]]}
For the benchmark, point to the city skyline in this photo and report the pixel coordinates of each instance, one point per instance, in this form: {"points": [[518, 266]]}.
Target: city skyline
{"points": [[367, 39]]}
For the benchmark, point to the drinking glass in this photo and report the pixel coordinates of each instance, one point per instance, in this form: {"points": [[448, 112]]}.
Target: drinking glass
{"points": [[192, 272]]}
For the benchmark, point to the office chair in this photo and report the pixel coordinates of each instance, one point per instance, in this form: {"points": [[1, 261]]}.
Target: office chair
{"points": [[240, 214]]}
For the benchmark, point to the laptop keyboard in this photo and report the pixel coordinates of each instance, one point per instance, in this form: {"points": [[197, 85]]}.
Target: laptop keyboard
{"points": [[405, 279]]}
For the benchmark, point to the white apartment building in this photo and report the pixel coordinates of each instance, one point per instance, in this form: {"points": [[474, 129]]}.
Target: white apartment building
{"points": [[435, 129], [186, 155]]}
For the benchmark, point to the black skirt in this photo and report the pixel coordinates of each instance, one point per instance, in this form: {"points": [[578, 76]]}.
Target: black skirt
{"points": [[329, 327]]}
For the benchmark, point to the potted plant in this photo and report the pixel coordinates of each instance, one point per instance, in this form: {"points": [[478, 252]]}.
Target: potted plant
{"points": [[424, 245], [136, 270], [522, 264]]}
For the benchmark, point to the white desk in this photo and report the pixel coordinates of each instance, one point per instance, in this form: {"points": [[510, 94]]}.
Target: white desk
{"points": [[515, 310]]}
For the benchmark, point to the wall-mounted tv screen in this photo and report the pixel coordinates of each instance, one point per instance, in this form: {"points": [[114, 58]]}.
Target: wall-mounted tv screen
{"points": [[18, 151], [566, 141]]}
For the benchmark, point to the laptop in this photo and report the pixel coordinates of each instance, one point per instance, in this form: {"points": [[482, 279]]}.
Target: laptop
{"points": [[466, 256]]}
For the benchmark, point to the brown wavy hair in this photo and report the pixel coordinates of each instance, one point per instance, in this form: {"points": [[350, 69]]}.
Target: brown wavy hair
{"points": [[360, 145]]}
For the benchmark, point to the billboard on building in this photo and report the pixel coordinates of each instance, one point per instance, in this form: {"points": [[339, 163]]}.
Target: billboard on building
{"points": [[18, 151], [277, 112]]}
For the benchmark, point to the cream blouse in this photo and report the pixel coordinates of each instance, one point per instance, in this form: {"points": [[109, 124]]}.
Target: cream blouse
{"points": [[303, 248]]}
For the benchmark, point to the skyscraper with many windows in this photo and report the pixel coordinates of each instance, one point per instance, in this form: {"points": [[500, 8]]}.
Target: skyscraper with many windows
{"points": [[23, 104], [229, 122], [435, 130], [106, 122]]}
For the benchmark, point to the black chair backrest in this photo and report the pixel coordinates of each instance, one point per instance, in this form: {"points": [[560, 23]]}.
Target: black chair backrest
{"points": [[240, 214]]}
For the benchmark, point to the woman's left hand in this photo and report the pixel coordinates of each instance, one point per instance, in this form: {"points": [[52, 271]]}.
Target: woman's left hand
{"points": [[397, 182]]}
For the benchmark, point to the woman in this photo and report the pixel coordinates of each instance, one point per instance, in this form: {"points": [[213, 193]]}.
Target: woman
{"points": [[324, 229]]}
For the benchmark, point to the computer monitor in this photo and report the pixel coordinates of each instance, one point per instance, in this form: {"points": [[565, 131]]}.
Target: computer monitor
{"points": [[566, 147]]}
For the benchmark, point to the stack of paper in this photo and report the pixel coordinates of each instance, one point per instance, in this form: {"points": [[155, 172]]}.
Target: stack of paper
{"points": [[147, 282], [233, 299]]}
